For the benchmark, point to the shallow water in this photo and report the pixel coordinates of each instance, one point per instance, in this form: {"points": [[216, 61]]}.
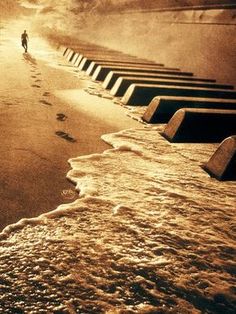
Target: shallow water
{"points": [[151, 233]]}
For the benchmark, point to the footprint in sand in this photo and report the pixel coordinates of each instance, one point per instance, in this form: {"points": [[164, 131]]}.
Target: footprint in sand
{"points": [[33, 76], [8, 104], [61, 117], [68, 194], [44, 102], [66, 136], [46, 94], [37, 81], [36, 86], [38, 73]]}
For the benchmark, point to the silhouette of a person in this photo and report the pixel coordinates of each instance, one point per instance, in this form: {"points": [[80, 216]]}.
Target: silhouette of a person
{"points": [[24, 40]]}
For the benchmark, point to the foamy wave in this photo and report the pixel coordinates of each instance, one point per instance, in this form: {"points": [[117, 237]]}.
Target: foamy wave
{"points": [[146, 234]]}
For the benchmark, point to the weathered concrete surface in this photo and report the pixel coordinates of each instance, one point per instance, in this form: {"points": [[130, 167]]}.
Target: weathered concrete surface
{"points": [[162, 108], [200, 125], [222, 164], [142, 95]]}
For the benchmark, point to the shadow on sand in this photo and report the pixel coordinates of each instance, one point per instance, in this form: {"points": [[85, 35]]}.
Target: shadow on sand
{"points": [[28, 58]]}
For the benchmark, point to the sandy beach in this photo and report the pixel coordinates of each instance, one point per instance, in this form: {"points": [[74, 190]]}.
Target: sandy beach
{"points": [[44, 101]]}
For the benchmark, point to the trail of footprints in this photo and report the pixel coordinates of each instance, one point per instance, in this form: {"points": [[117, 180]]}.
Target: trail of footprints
{"points": [[60, 116], [65, 136]]}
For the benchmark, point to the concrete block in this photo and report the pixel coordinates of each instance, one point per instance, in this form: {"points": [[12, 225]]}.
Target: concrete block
{"points": [[112, 76], [190, 125], [102, 71], [162, 108], [222, 164], [142, 95], [122, 84]]}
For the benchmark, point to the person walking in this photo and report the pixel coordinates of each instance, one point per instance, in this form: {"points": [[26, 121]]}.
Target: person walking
{"points": [[24, 40]]}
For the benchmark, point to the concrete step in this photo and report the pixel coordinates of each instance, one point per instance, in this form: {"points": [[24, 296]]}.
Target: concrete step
{"points": [[190, 125], [112, 77], [102, 71], [162, 108], [142, 95], [122, 84], [93, 65], [222, 164]]}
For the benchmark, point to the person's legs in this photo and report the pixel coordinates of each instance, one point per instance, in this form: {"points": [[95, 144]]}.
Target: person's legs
{"points": [[24, 45]]}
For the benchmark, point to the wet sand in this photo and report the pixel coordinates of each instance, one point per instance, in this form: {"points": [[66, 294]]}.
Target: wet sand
{"points": [[46, 118]]}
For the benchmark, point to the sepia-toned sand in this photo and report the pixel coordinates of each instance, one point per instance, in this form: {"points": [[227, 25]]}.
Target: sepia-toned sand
{"points": [[36, 112]]}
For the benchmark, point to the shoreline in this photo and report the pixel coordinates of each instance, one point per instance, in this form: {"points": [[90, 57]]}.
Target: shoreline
{"points": [[39, 117]]}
